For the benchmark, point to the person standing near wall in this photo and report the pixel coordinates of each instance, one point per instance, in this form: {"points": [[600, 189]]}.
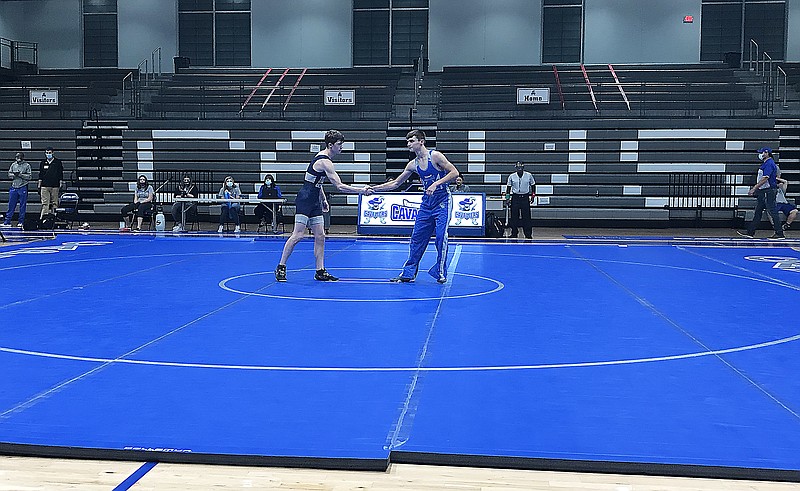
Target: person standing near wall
{"points": [[765, 191], [20, 175], [51, 173], [520, 189]]}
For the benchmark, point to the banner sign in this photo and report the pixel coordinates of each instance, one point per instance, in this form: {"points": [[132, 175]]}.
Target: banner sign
{"points": [[395, 213], [44, 97], [340, 97], [533, 96]]}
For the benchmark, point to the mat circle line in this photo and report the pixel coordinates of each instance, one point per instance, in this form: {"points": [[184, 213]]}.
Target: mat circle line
{"points": [[224, 285]]}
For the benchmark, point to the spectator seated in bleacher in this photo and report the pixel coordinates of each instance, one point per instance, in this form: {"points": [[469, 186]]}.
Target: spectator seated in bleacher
{"points": [[142, 205], [264, 210], [186, 189], [782, 204], [230, 210], [459, 187]]}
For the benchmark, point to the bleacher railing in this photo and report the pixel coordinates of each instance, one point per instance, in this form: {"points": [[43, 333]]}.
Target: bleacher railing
{"points": [[206, 183], [697, 190], [5, 53], [13, 53], [780, 72]]}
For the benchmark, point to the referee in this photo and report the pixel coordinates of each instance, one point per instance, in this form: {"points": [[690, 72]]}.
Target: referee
{"points": [[521, 186]]}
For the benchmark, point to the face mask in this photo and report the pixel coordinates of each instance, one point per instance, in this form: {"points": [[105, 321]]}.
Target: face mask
{"points": [[229, 183], [268, 182], [49, 156]]}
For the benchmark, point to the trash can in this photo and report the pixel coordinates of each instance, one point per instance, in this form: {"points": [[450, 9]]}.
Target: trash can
{"points": [[733, 59], [181, 62]]}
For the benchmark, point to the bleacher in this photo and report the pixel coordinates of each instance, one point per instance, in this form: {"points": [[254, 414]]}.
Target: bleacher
{"points": [[594, 172], [220, 94], [31, 137], [247, 150], [652, 91], [82, 94], [593, 167]]}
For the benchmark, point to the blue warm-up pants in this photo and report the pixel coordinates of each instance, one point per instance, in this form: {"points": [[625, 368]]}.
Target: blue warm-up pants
{"points": [[434, 214]]}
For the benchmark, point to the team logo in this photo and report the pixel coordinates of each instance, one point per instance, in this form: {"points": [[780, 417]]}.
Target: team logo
{"points": [[783, 263], [375, 210], [466, 211], [407, 212]]}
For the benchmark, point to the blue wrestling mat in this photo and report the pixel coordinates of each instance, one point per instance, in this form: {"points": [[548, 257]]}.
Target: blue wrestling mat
{"points": [[664, 358]]}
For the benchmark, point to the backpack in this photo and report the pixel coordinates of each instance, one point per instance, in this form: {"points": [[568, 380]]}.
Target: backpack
{"points": [[48, 222], [494, 226], [30, 224]]}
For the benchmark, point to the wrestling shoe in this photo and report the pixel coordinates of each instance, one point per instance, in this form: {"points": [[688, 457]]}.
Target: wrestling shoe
{"points": [[322, 275], [401, 279], [280, 273]]}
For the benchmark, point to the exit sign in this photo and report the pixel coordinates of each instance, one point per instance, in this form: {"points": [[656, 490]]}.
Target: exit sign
{"points": [[688, 19]]}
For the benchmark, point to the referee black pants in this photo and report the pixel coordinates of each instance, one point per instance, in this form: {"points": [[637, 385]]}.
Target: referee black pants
{"points": [[521, 215]]}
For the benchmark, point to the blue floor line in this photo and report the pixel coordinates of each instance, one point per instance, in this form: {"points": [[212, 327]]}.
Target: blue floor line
{"points": [[134, 478]]}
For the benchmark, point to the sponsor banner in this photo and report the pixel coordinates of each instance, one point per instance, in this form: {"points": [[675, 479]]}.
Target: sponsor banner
{"points": [[379, 213], [44, 97], [340, 97], [533, 96]]}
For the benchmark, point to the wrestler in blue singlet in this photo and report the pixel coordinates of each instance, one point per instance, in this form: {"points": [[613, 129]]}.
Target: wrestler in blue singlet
{"points": [[434, 213]]}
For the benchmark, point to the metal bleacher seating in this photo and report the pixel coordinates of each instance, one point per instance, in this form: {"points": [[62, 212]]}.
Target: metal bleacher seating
{"points": [[592, 172], [650, 91], [603, 165], [296, 94]]}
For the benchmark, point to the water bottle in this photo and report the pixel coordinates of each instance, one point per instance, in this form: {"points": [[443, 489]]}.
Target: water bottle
{"points": [[160, 222]]}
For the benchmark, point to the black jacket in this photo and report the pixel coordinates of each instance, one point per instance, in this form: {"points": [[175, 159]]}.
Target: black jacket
{"points": [[51, 174]]}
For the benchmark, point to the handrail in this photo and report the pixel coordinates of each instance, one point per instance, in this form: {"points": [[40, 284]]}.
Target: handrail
{"points": [[785, 83], [277, 84], [621, 91], [153, 63], [558, 86], [589, 85], [418, 76], [767, 83], [253, 92], [294, 88], [750, 55], [139, 67], [126, 77], [767, 56]]}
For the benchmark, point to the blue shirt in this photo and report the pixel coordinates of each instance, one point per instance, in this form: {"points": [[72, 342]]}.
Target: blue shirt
{"points": [[768, 168]]}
